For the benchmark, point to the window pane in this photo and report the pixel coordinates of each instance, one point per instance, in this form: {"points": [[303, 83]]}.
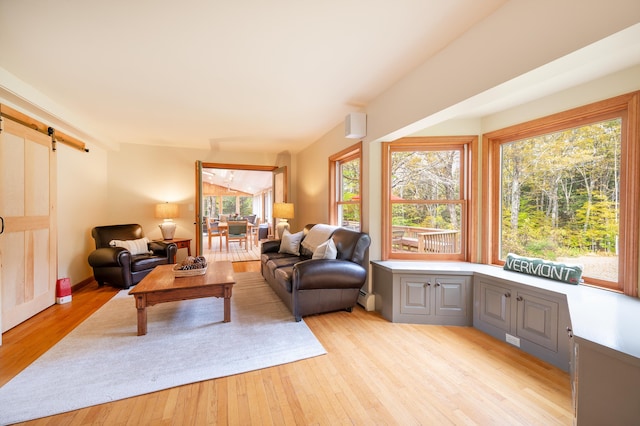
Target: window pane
{"points": [[246, 206], [426, 228], [210, 208], [350, 182], [425, 175], [229, 204], [560, 197], [349, 216]]}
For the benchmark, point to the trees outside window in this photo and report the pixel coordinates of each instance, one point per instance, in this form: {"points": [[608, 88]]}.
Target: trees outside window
{"points": [[561, 197], [211, 208], [561, 188], [245, 205], [345, 171]]}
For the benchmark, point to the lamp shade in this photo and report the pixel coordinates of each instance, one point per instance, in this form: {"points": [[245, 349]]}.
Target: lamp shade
{"points": [[283, 210], [166, 210]]}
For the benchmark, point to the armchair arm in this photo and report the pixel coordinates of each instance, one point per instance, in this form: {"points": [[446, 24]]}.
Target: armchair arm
{"points": [[110, 256], [160, 247], [271, 246], [327, 273]]}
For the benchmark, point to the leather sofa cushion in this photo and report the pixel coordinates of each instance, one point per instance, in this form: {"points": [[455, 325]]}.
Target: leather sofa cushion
{"points": [[282, 262], [144, 262], [266, 257], [283, 276]]}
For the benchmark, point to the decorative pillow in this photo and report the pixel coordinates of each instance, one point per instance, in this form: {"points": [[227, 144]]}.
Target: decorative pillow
{"points": [[290, 243], [326, 250], [564, 272], [140, 246]]}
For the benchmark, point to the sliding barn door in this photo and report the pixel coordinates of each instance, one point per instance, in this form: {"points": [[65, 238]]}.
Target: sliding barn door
{"points": [[27, 208]]}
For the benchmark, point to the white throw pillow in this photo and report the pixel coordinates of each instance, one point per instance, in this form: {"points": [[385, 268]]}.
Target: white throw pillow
{"points": [[140, 246], [290, 243], [326, 250]]}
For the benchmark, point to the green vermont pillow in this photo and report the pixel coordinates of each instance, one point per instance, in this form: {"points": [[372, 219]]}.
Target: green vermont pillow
{"points": [[564, 272]]}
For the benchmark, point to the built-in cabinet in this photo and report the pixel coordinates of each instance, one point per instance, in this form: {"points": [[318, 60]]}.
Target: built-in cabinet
{"points": [[605, 385], [436, 298], [412, 296], [524, 317]]}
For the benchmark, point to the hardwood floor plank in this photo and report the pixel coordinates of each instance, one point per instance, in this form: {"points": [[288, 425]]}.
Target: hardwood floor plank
{"points": [[375, 372]]}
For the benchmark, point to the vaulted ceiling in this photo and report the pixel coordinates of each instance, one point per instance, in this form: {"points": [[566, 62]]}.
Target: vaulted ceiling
{"points": [[242, 75], [247, 75]]}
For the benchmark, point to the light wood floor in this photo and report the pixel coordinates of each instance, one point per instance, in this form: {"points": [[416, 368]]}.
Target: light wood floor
{"points": [[375, 372]]}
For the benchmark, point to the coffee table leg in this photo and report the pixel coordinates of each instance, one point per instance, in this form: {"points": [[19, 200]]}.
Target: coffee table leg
{"points": [[227, 302], [141, 305], [227, 309]]}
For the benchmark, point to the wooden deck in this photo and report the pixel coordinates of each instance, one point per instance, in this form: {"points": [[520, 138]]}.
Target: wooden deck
{"points": [[425, 240], [235, 253]]}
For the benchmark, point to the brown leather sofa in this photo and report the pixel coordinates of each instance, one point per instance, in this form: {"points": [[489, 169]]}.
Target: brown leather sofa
{"points": [[116, 265], [312, 286]]}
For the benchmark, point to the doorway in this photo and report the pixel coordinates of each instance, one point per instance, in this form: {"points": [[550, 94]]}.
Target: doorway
{"points": [[228, 190]]}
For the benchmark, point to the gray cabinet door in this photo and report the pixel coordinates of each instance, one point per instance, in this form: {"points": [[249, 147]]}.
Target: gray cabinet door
{"points": [[495, 305], [451, 296], [537, 319], [415, 294]]}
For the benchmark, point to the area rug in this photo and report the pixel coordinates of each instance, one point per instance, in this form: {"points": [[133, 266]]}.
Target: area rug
{"points": [[104, 360]]}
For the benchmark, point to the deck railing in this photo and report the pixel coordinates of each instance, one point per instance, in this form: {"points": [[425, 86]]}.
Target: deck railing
{"points": [[425, 240]]}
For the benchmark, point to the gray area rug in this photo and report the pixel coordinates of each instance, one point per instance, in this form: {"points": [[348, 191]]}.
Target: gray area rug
{"points": [[103, 359]]}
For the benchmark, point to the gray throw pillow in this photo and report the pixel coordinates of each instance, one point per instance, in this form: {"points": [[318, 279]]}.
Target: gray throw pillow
{"points": [[290, 243]]}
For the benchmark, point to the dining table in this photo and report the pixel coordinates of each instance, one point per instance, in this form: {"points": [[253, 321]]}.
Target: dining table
{"points": [[252, 238]]}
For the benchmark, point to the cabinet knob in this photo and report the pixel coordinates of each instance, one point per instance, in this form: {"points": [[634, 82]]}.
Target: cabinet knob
{"points": [[428, 283], [569, 332], [519, 299], [507, 295], [437, 284]]}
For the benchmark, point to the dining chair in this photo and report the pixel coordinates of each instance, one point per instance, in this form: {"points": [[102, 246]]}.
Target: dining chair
{"points": [[253, 230], [213, 230], [238, 231]]}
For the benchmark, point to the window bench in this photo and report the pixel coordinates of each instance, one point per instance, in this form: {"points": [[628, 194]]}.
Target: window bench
{"points": [[591, 333]]}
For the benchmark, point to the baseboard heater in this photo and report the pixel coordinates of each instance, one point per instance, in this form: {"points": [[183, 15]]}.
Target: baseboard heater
{"points": [[366, 300]]}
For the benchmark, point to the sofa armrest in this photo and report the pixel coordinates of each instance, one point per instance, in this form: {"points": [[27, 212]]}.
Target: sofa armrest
{"points": [[109, 256], [327, 273], [271, 246]]}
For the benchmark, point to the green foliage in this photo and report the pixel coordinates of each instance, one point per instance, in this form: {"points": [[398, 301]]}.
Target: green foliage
{"points": [[246, 206], [560, 192]]}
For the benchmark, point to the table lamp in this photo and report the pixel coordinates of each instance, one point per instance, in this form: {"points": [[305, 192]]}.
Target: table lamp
{"points": [[282, 211], [167, 211]]}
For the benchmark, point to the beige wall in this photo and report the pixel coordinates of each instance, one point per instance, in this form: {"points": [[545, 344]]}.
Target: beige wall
{"points": [[141, 176], [82, 203]]}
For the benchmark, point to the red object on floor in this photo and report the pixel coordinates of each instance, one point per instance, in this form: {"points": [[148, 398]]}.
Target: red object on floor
{"points": [[63, 291]]}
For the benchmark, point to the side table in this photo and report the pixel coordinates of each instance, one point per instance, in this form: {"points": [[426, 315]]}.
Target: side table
{"points": [[181, 243]]}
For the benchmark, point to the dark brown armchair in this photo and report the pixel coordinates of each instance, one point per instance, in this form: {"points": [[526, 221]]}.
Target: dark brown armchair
{"points": [[117, 265]]}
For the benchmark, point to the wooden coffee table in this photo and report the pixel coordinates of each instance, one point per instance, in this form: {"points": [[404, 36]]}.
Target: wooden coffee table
{"points": [[162, 286]]}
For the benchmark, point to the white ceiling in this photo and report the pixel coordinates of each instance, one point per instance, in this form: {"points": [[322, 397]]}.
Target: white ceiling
{"points": [[241, 75], [249, 181]]}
